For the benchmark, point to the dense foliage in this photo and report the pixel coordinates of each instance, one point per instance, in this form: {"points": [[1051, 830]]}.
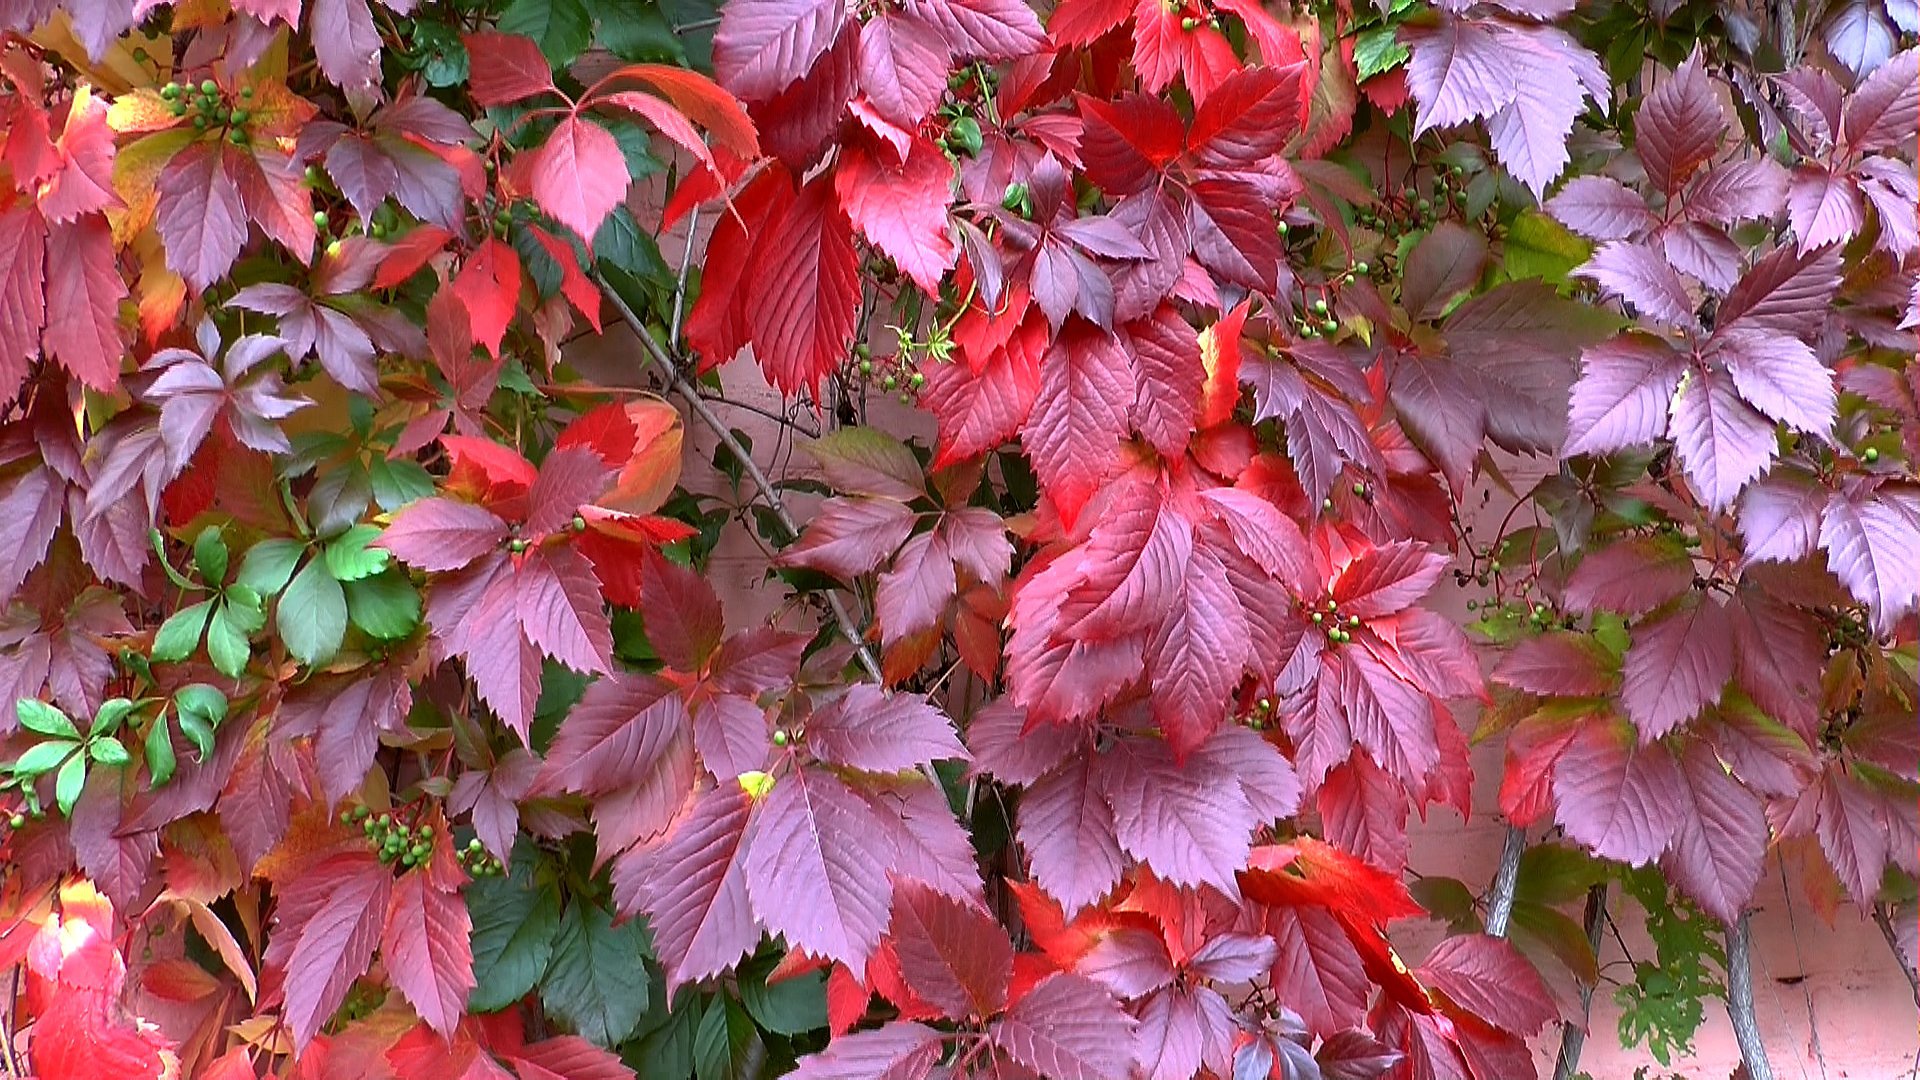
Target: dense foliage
{"points": [[377, 710]]}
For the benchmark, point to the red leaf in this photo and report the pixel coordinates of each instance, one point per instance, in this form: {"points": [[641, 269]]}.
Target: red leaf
{"points": [[327, 923], [1364, 812], [1080, 415], [442, 534], [1387, 579], [693, 890], [568, 1057], [574, 284], [82, 181], [700, 99], [1166, 352], [505, 68], [851, 536], [1490, 977], [1620, 799], [1127, 144], [951, 954], [1067, 1028], [84, 290], [579, 176], [1317, 971], [489, 286], [979, 411], [987, 29], [426, 949], [619, 730], [1248, 117], [1678, 664], [802, 302], [23, 306], [717, 327], [1198, 653], [810, 871], [902, 209]]}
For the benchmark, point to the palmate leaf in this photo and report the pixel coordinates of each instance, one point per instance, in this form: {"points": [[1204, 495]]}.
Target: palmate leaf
{"points": [[810, 870], [951, 955], [329, 921], [693, 890], [1070, 1028]]}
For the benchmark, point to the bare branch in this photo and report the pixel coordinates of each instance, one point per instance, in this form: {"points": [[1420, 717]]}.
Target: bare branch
{"points": [[1746, 1022], [1573, 1037], [1505, 881]]}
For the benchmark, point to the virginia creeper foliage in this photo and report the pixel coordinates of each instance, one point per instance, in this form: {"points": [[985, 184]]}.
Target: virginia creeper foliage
{"points": [[1302, 410]]}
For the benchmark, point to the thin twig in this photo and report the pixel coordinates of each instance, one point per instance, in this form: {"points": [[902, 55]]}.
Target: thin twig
{"points": [[1573, 1037], [1806, 987], [768, 493], [1746, 1024], [6, 1022], [680, 290], [1885, 923], [1505, 881]]}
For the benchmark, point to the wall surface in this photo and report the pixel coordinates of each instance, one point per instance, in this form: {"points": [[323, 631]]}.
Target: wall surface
{"points": [[1832, 1001]]}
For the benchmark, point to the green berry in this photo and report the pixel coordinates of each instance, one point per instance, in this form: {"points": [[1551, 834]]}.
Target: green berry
{"points": [[247, 92], [200, 123], [1319, 307], [1189, 23], [888, 383], [1362, 268], [1282, 228], [1329, 326], [424, 832], [781, 738], [170, 91], [241, 116], [1326, 504], [1871, 455], [407, 860], [1472, 604], [209, 87], [319, 219], [420, 852], [916, 380], [516, 545], [1360, 490], [237, 137], [1353, 620], [474, 845], [1318, 618], [17, 821], [866, 367]]}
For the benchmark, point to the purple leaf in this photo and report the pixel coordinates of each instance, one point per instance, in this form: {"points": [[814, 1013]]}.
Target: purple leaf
{"points": [[1851, 834], [621, 729], [1721, 843], [345, 42], [1393, 720], [1601, 208], [1067, 830], [1068, 1028], [762, 46], [1493, 980], [1722, 442], [1823, 207], [1622, 399], [1870, 539], [1677, 665], [872, 730], [200, 219], [1198, 653], [1680, 126], [439, 534], [1859, 35], [1363, 812], [815, 869], [895, 1051], [1643, 277], [903, 65], [1166, 351], [1174, 818], [1622, 800], [851, 536], [1787, 290], [1738, 191], [1780, 376], [693, 890], [987, 29], [1885, 109]]}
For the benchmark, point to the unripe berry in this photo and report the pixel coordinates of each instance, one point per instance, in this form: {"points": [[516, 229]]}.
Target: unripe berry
{"points": [[1871, 455]]}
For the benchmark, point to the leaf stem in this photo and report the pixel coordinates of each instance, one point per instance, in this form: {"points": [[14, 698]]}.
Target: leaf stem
{"points": [[768, 493]]}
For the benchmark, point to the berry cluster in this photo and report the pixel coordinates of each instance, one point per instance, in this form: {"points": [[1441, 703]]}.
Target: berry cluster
{"points": [[212, 109], [391, 839], [473, 858], [1419, 208], [1339, 631]]}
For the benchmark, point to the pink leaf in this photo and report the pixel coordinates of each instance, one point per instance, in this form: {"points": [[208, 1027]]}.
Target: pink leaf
{"points": [[902, 209], [895, 1051], [427, 952], [693, 889], [762, 46], [1823, 207], [438, 534], [1190, 829], [1491, 978], [330, 919], [1068, 1028], [346, 42], [1622, 800], [579, 176], [874, 731], [506, 68], [1680, 126], [1067, 830], [1080, 415], [1626, 387], [1722, 442], [1601, 208], [83, 294], [851, 536], [620, 729], [1869, 541], [1643, 277], [1720, 845]]}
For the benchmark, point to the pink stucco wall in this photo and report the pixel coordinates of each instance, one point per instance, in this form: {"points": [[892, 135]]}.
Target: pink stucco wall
{"points": [[1839, 982]]}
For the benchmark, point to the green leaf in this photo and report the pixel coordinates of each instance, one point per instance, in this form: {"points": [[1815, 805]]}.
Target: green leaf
{"points": [[160, 757], [210, 555], [269, 564], [1375, 51], [67, 784], [636, 145], [562, 28], [111, 714], [41, 717], [42, 757], [792, 1006], [727, 1046], [350, 559], [199, 699], [397, 483], [384, 606], [597, 981], [623, 245], [227, 642], [108, 752], [180, 634], [198, 732], [665, 1047], [514, 924], [312, 616], [636, 30], [1539, 247], [441, 54], [242, 606]]}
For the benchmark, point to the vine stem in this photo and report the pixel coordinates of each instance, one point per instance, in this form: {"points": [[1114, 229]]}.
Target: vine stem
{"points": [[1573, 1037], [1505, 881], [1885, 923], [1746, 1023], [768, 494]]}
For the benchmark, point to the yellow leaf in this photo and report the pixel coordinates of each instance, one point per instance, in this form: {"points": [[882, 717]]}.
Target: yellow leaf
{"points": [[141, 111], [136, 169], [756, 784], [161, 292], [117, 72]]}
